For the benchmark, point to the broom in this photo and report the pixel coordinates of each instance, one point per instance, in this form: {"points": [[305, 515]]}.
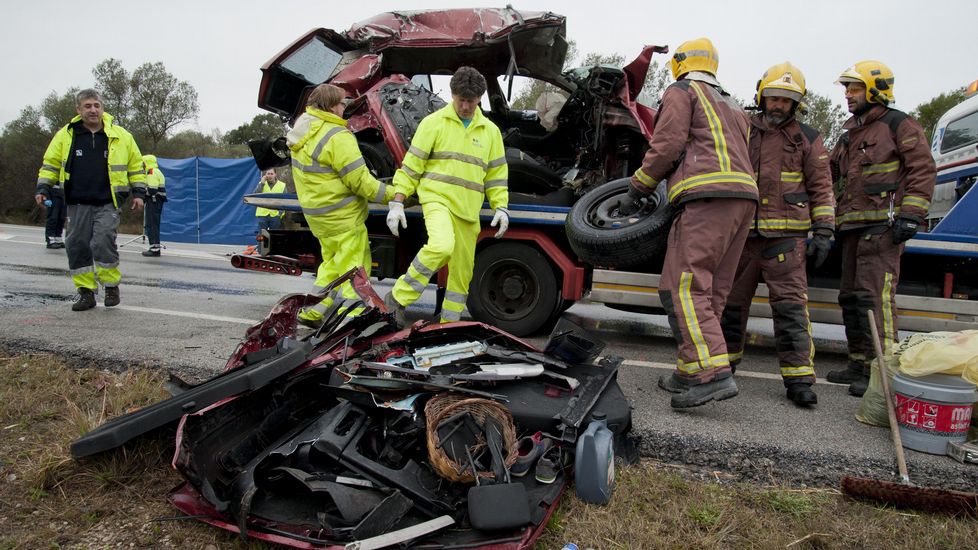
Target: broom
{"points": [[905, 494]]}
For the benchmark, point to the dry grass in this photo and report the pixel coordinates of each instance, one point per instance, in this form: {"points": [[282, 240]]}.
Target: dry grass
{"points": [[48, 500]]}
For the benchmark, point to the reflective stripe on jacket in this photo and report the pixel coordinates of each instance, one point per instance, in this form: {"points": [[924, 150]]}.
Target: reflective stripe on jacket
{"points": [[881, 170], [125, 162], [263, 187], [331, 176], [791, 167], [155, 180], [456, 166], [699, 145]]}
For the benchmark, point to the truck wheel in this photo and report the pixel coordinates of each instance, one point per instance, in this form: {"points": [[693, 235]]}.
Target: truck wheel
{"points": [[599, 235], [514, 288]]}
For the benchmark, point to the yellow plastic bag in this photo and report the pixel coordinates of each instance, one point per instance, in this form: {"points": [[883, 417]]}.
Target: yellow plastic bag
{"points": [[872, 406], [954, 353]]}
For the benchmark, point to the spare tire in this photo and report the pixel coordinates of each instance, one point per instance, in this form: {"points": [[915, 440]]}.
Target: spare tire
{"points": [[599, 235]]}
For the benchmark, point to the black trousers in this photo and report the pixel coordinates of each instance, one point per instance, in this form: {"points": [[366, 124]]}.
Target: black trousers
{"points": [[56, 214], [152, 214]]}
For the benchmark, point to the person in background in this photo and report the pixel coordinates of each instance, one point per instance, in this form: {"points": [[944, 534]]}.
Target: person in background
{"points": [[699, 147], [456, 160], [883, 176], [792, 170], [334, 185], [98, 164], [268, 218], [55, 215], [156, 196]]}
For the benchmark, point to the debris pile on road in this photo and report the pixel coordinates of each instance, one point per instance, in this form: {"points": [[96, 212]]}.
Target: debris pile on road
{"points": [[358, 435]]}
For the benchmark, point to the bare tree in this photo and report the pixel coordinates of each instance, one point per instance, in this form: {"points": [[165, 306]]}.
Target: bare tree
{"points": [[825, 116], [113, 81], [160, 102]]}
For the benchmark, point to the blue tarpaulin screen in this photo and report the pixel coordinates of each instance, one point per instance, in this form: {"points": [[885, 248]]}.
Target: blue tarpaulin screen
{"points": [[204, 200]]}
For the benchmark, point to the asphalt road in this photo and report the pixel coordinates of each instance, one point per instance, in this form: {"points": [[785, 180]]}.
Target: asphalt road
{"points": [[187, 310]]}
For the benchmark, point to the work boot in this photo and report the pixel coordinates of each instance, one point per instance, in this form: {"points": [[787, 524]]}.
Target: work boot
{"points": [[700, 394], [86, 300], [396, 309], [801, 394], [151, 252], [673, 383], [52, 245], [112, 296], [858, 387], [848, 375]]}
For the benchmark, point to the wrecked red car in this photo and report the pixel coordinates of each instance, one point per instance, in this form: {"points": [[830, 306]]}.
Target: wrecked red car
{"points": [[588, 133], [358, 435]]}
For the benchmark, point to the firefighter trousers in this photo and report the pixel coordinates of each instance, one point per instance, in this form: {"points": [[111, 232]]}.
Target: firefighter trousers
{"points": [[779, 262], [451, 242], [341, 253], [93, 256], [705, 242], [870, 273]]}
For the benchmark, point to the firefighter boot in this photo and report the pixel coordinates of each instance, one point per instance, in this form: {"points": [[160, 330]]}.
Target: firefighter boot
{"points": [[718, 389], [848, 375], [86, 300], [396, 309], [801, 394], [858, 387], [112, 296], [673, 383]]}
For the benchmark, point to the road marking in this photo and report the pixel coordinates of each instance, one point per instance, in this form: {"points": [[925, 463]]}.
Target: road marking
{"points": [[741, 373], [248, 322]]}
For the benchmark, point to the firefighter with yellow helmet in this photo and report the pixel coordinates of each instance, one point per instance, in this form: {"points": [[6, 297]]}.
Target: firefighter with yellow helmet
{"points": [[884, 179], [791, 166], [699, 147]]}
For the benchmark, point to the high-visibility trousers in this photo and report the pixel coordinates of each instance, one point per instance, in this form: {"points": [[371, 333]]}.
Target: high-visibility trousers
{"points": [[779, 262], [451, 241], [341, 253], [870, 273], [705, 242], [93, 256]]}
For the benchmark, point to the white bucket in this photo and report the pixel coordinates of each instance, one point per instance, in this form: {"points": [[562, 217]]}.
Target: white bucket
{"points": [[933, 410]]}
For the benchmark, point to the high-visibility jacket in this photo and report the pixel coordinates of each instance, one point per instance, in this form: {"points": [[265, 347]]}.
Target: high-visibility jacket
{"points": [[456, 166], [881, 167], [125, 162], [264, 187], [699, 145], [791, 167], [155, 180], [331, 176]]}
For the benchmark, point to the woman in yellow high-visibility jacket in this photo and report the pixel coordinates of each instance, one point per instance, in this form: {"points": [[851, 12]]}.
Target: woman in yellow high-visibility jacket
{"points": [[334, 185]]}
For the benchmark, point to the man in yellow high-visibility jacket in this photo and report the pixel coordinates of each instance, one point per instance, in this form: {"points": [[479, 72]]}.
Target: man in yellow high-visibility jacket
{"points": [[456, 160], [98, 165]]}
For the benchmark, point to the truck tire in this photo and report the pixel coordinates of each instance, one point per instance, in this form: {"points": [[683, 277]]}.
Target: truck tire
{"points": [[602, 237], [513, 288], [378, 159]]}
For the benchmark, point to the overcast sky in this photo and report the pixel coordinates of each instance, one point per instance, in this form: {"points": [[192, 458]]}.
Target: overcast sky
{"points": [[219, 46]]}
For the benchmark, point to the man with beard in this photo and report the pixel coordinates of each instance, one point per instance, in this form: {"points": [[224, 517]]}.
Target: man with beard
{"points": [[791, 167], [883, 176]]}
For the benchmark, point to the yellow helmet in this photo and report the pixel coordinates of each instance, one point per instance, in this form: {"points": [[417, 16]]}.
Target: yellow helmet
{"points": [[695, 55], [781, 80], [877, 77]]}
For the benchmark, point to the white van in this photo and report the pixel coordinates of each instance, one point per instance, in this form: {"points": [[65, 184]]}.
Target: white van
{"points": [[955, 150]]}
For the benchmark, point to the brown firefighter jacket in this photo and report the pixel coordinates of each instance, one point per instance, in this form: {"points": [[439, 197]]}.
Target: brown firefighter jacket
{"points": [[793, 179], [882, 167], [699, 146]]}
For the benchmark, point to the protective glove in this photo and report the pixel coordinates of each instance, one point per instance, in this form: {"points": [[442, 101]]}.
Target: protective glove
{"points": [[904, 228], [502, 220], [395, 216], [820, 245], [631, 204]]}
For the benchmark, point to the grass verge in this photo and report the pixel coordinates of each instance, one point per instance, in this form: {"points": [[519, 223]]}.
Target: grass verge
{"points": [[48, 500]]}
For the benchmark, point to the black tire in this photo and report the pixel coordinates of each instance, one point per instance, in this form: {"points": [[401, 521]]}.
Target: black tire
{"points": [[379, 160], [513, 288], [600, 236]]}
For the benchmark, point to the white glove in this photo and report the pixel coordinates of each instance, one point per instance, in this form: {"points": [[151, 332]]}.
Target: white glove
{"points": [[502, 220], [395, 216]]}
